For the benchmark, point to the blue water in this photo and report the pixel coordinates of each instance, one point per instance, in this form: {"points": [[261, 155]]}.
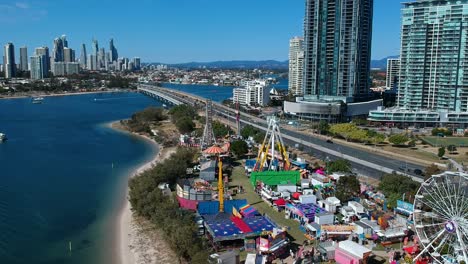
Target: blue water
{"points": [[57, 183], [217, 93]]}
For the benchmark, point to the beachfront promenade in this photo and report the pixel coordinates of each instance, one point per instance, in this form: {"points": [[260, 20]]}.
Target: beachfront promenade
{"points": [[372, 164]]}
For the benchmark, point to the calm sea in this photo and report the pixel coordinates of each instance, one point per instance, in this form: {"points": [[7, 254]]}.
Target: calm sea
{"points": [[216, 93], [63, 175]]}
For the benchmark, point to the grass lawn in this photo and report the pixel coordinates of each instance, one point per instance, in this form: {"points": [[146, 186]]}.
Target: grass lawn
{"points": [[446, 141], [239, 178], [420, 154]]}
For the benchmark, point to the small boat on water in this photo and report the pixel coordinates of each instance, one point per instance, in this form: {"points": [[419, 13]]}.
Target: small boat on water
{"points": [[2, 137], [37, 100], [164, 105]]}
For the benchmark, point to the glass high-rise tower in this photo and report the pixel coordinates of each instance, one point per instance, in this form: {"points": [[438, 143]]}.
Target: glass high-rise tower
{"points": [[9, 64], [434, 56], [337, 38], [113, 51]]}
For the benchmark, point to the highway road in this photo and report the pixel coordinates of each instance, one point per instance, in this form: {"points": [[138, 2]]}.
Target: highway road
{"points": [[364, 162]]}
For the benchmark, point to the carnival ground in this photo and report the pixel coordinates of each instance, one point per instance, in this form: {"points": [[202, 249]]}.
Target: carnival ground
{"points": [[239, 178]]}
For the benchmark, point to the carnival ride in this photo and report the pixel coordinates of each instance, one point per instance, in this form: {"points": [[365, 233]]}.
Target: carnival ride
{"points": [[273, 150], [441, 217], [215, 150]]}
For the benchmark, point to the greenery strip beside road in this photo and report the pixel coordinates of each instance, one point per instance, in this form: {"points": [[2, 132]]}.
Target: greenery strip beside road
{"points": [[338, 154]]}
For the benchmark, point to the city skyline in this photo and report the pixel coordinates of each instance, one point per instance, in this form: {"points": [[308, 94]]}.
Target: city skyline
{"points": [[167, 33]]}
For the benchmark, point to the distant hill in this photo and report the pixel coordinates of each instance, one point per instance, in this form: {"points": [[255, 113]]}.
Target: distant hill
{"points": [[266, 64], [381, 64]]}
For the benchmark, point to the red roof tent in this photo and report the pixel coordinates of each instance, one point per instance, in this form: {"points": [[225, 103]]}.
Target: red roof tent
{"points": [[280, 202], [411, 250], [296, 195]]}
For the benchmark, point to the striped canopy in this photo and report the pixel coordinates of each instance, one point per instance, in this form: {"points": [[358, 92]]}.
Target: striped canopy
{"points": [[214, 150]]}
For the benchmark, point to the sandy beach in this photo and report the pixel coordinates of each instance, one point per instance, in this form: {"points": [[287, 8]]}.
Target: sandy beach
{"points": [[135, 244]]}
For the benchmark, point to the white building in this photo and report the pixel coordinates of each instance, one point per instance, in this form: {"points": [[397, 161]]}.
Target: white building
{"points": [[393, 73], [255, 92], [296, 65]]}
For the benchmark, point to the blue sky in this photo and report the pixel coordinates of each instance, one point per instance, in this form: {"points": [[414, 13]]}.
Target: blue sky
{"points": [[174, 31]]}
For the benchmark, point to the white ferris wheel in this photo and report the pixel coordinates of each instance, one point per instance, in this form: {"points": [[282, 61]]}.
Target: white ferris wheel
{"points": [[441, 217]]}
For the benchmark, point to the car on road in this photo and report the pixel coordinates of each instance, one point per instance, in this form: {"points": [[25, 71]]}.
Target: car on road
{"points": [[329, 141]]}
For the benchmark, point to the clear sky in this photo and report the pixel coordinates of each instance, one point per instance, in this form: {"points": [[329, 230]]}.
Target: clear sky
{"points": [[172, 31]]}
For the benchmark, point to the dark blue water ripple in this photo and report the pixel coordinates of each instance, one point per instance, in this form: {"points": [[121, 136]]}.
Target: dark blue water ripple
{"points": [[56, 178]]}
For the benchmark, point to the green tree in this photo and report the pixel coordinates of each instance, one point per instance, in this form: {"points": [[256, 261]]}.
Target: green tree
{"points": [[451, 148], [185, 125], [441, 152], [398, 184], [239, 148], [378, 138], [248, 131], [182, 111], [220, 129], [259, 137], [398, 139], [431, 170], [343, 130], [323, 127], [441, 131], [340, 165], [150, 114], [347, 187], [178, 226], [358, 135]]}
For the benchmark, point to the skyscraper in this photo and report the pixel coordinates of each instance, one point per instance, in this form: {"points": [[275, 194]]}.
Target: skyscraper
{"points": [[337, 49], [434, 45], [68, 55], [137, 63], [113, 51], [64, 41], [92, 62], [83, 57], [44, 53], [101, 58], [393, 73], [23, 58], [9, 65], [296, 65], [58, 50], [337, 53], [37, 67], [95, 49]]}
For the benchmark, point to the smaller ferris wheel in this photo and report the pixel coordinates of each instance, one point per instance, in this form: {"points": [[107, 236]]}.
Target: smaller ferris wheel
{"points": [[441, 217]]}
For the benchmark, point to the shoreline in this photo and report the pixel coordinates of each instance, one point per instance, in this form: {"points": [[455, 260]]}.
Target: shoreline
{"points": [[131, 244], [62, 94]]}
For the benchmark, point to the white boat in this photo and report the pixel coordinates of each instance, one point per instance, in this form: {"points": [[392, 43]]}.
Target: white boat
{"points": [[37, 100], [2, 137]]}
